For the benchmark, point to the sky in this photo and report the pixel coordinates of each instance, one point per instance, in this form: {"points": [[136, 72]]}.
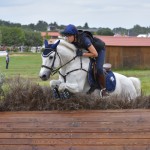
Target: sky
{"points": [[97, 13]]}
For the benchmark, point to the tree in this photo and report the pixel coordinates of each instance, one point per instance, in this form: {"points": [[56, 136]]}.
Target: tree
{"points": [[136, 30], [121, 31], [105, 31], [9, 24], [41, 26], [0, 37], [12, 36], [86, 26], [31, 26], [33, 38]]}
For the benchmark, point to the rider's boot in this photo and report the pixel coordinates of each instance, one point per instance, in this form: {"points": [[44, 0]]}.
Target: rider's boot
{"points": [[102, 83]]}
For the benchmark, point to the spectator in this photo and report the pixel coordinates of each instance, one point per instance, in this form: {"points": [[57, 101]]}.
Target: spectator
{"points": [[7, 61]]}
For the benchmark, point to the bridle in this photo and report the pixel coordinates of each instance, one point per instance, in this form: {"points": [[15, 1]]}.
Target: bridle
{"points": [[54, 71]]}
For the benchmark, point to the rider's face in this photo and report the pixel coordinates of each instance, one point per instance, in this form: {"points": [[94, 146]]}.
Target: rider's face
{"points": [[70, 38]]}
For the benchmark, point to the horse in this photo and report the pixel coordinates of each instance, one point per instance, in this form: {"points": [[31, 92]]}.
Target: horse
{"points": [[73, 72]]}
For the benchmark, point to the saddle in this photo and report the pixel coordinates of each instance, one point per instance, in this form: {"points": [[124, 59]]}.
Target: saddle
{"points": [[92, 74], [94, 80]]}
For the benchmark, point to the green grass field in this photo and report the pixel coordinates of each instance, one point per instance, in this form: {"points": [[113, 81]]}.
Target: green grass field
{"points": [[28, 65], [25, 65]]}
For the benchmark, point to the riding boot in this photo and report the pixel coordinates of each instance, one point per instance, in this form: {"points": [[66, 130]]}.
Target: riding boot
{"points": [[102, 83]]}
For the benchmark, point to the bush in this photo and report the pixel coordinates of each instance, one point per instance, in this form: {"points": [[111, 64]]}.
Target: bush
{"points": [[24, 95]]}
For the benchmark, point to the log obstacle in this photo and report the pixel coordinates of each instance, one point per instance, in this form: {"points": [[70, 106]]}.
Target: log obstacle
{"points": [[75, 130]]}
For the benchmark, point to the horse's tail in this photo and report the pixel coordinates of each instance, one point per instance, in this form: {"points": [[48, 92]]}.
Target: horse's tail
{"points": [[137, 84]]}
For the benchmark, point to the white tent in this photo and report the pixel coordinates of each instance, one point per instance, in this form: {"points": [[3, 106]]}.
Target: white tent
{"points": [[3, 53]]}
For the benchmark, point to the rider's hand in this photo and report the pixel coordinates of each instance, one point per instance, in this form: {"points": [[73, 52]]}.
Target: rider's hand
{"points": [[79, 52]]}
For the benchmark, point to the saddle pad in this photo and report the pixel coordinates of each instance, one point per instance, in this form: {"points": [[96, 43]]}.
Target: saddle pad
{"points": [[109, 76], [110, 81]]}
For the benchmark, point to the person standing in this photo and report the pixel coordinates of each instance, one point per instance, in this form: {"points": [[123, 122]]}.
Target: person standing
{"points": [[7, 61]]}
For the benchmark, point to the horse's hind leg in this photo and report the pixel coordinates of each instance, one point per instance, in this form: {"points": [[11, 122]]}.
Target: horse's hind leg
{"points": [[137, 84]]}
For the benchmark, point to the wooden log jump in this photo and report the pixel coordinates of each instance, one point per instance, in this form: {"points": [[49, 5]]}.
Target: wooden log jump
{"points": [[75, 130]]}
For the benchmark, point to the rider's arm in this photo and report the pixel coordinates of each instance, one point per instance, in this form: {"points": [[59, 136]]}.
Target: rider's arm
{"points": [[91, 49], [92, 52]]}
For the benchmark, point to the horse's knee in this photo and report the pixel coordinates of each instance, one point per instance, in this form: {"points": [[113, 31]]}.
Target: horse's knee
{"points": [[62, 87], [54, 83]]}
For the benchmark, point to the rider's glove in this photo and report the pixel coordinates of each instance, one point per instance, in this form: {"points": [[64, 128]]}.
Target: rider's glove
{"points": [[79, 52]]}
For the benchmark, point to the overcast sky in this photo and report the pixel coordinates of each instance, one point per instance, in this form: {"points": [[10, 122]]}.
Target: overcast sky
{"points": [[97, 13]]}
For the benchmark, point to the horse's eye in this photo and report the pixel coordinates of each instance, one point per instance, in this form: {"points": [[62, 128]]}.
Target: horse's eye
{"points": [[51, 57]]}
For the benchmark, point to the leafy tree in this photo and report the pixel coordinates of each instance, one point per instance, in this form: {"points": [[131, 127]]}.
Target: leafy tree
{"points": [[62, 26], [41, 26], [0, 37], [8, 24], [121, 31], [86, 26], [54, 24], [31, 26], [12, 36], [138, 30], [33, 38], [105, 31]]}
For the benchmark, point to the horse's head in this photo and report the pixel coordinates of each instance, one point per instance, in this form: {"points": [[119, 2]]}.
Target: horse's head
{"points": [[50, 60]]}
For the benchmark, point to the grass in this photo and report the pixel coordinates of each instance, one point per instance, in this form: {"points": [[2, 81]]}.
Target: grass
{"points": [[143, 75], [27, 65]]}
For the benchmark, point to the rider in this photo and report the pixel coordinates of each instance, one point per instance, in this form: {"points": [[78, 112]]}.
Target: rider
{"points": [[73, 36]]}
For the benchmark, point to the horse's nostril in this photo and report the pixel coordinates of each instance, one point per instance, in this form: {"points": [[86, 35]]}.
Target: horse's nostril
{"points": [[43, 77]]}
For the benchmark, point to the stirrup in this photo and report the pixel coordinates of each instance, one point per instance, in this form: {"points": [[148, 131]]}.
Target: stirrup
{"points": [[104, 93]]}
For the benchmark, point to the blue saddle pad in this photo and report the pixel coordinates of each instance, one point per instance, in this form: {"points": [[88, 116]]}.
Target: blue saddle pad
{"points": [[110, 81], [109, 76]]}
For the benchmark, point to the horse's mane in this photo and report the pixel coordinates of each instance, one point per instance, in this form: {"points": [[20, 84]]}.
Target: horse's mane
{"points": [[66, 44]]}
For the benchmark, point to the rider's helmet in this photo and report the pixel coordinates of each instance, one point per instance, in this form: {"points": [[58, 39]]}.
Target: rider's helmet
{"points": [[70, 30]]}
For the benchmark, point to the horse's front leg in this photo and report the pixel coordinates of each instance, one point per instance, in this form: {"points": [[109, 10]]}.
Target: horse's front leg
{"points": [[75, 83], [71, 87], [65, 90], [54, 84]]}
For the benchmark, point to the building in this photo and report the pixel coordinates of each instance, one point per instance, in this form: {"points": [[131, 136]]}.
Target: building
{"points": [[144, 35], [127, 52], [50, 36]]}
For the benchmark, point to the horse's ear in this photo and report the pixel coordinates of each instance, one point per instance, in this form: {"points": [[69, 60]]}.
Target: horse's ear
{"points": [[46, 43], [55, 45]]}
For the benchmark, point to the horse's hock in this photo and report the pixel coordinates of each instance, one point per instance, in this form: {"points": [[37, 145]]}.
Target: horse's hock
{"points": [[75, 130]]}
